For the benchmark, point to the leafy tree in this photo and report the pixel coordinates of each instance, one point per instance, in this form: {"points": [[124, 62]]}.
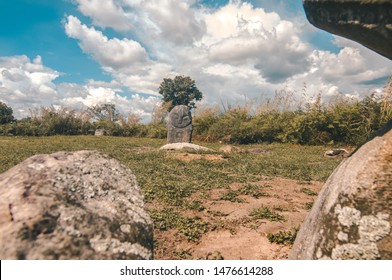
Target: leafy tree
{"points": [[180, 91], [5, 113], [104, 112]]}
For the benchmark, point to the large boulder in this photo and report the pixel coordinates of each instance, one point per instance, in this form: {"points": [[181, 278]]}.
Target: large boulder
{"points": [[368, 22], [73, 205], [352, 216]]}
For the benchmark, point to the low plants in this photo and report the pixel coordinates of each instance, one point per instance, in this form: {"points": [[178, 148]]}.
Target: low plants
{"points": [[191, 227], [309, 205], [253, 191], [308, 192], [283, 237], [231, 196], [267, 214]]}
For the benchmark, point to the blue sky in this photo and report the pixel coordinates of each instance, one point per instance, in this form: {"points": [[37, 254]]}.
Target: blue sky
{"points": [[78, 53]]}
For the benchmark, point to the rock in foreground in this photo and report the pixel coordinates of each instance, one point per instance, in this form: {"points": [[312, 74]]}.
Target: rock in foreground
{"points": [[72, 205], [352, 217]]}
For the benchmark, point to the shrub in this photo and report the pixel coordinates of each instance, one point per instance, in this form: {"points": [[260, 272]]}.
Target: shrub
{"points": [[283, 237], [5, 113]]}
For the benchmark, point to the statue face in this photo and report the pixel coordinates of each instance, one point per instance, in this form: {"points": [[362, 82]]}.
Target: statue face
{"points": [[180, 117]]}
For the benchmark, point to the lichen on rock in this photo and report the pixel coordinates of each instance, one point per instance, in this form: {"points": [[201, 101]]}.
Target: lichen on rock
{"points": [[73, 205]]}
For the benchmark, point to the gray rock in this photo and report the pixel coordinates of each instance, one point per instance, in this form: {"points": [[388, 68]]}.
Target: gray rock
{"points": [[336, 153], [73, 205], [179, 125], [368, 22], [352, 216], [184, 146], [100, 132]]}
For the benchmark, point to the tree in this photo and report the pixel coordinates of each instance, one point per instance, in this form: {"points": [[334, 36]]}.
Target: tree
{"points": [[104, 112], [180, 91], [5, 113]]}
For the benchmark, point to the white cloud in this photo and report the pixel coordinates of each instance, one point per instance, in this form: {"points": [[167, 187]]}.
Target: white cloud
{"points": [[25, 85], [174, 20], [26, 82], [113, 53], [236, 52], [105, 14]]}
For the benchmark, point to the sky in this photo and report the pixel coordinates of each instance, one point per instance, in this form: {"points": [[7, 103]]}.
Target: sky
{"points": [[80, 53]]}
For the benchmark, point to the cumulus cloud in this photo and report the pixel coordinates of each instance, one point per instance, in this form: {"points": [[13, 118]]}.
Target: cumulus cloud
{"points": [[235, 52], [24, 81], [113, 53], [105, 14], [174, 20], [26, 84]]}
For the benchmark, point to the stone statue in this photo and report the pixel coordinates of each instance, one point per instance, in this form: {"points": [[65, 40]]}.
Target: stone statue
{"points": [[179, 126]]}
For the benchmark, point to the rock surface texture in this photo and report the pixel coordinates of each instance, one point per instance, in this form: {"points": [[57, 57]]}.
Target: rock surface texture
{"points": [[179, 126], [368, 22], [352, 216], [72, 205]]}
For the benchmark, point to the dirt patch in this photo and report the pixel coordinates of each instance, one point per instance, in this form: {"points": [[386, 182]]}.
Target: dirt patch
{"points": [[234, 234], [188, 157]]}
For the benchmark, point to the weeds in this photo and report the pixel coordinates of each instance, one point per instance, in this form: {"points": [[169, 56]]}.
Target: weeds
{"points": [[265, 213], [231, 196], [196, 205], [253, 191], [283, 237], [191, 227], [309, 205], [309, 192]]}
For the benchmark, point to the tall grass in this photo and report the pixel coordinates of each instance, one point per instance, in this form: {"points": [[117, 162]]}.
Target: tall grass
{"points": [[285, 118]]}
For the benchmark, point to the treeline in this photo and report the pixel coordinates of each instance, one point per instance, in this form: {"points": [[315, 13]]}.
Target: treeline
{"points": [[344, 121], [49, 121]]}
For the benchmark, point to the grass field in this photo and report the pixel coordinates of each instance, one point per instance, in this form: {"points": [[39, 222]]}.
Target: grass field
{"points": [[177, 191]]}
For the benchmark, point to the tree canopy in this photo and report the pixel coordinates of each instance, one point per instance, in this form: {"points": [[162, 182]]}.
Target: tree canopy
{"points": [[179, 91], [5, 113], [107, 112]]}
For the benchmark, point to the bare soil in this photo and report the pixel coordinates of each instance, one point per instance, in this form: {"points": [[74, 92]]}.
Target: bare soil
{"points": [[234, 234]]}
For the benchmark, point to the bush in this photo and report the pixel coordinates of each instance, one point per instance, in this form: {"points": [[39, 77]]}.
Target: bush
{"points": [[5, 114], [341, 122]]}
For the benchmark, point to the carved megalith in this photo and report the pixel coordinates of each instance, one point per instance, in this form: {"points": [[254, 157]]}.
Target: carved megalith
{"points": [[73, 205], [179, 125], [352, 216], [368, 22]]}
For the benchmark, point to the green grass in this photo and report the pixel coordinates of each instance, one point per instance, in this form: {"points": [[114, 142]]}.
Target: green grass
{"points": [[170, 182], [191, 227]]}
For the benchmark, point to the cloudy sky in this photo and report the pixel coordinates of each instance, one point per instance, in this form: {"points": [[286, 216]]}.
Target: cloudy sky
{"points": [[79, 53]]}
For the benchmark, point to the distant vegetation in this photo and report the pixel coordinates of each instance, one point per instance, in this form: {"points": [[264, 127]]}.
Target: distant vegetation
{"points": [[282, 119]]}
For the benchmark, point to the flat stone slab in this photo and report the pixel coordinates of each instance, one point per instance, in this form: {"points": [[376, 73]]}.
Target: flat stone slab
{"points": [[184, 146]]}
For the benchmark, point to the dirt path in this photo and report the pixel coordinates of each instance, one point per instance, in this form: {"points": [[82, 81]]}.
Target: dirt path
{"points": [[234, 233]]}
